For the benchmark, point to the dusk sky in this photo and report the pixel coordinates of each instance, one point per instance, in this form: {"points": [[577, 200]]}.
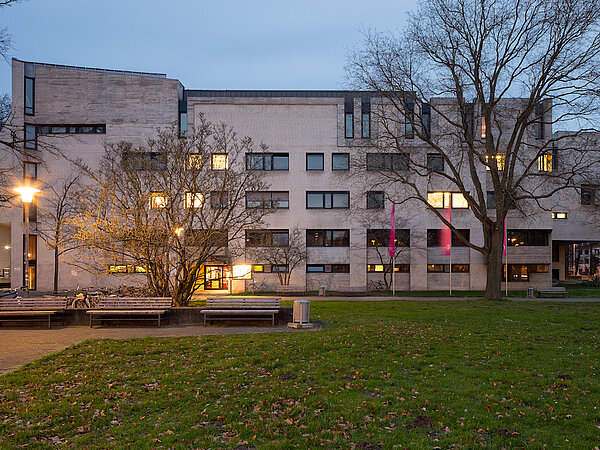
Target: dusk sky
{"points": [[262, 44]]}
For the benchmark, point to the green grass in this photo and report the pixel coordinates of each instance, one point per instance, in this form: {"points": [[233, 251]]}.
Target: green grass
{"points": [[413, 374]]}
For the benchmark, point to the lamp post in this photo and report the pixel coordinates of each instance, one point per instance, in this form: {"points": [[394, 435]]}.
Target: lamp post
{"points": [[27, 193]]}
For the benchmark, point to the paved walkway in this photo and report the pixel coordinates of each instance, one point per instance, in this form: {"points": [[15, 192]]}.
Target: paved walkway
{"points": [[20, 346]]}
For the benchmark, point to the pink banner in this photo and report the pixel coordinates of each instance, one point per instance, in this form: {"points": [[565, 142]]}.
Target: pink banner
{"points": [[392, 247], [446, 238], [505, 243]]}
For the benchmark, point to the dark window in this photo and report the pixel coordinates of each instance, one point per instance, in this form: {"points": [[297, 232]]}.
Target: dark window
{"points": [[327, 200], [588, 195], [518, 238], [328, 268], [400, 268], [277, 200], [539, 121], [434, 238], [267, 161], [219, 200], [375, 200], [426, 119], [206, 238], [366, 118], [267, 238], [327, 238], [315, 161], [71, 129], [349, 118], [435, 162], [29, 96], [387, 161], [29, 170], [409, 118], [469, 108], [378, 237], [30, 136], [491, 199], [340, 161], [145, 160], [33, 207], [183, 124]]}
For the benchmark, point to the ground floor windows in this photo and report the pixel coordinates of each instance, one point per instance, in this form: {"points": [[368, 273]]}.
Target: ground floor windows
{"points": [[386, 268], [445, 268], [328, 268], [327, 238]]}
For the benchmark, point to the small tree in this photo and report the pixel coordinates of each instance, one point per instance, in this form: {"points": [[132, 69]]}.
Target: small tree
{"points": [[171, 206], [287, 256], [55, 218]]}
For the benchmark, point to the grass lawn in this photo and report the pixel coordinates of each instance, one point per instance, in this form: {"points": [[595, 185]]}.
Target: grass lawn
{"points": [[412, 374]]}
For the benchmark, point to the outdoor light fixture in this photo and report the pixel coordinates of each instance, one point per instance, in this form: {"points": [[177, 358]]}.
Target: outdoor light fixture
{"points": [[27, 193], [178, 231]]}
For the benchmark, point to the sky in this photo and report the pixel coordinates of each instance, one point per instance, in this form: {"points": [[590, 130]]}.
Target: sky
{"points": [[218, 44]]}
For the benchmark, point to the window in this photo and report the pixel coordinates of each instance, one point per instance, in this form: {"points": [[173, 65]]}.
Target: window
{"points": [[438, 268], [340, 161], [218, 161], [30, 136], [498, 158], [267, 238], [588, 195], [379, 237], [158, 200], [349, 118], [315, 161], [409, 118], [434, 238], [125, 268], [276, 200], [194, 161], [387, 161], [29, 170], [469, 108], [33, 207], [539, 121], [516, 272], [435, 162], [444, 199], [267, 161], [328, 200], [328, 268], [183, 124], [29, 96], [219, 200], [71, 129], [400, 268], [375, 200], [517, 238], [327, 238], [491, 199], [366, 118], [483, 128], [464, 268], [426, 119], [270, 268], [145, 160], [545, 162], [560, 215], [194, 200]]}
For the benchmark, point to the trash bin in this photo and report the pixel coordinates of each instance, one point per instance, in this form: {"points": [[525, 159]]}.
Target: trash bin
{"points": [[322, 291], [301, 311], [530, 292]]}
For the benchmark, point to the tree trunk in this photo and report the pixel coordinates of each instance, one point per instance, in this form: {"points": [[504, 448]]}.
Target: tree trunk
{"points": [[493, 289], [56, 270]]}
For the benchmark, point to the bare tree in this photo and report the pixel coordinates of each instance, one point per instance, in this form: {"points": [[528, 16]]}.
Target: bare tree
{"points": [[480, 84], [283, 258], [169, 207], [56, 214]]}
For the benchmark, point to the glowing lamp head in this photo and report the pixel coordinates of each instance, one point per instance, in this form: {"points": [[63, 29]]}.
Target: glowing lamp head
{"points": [[178, 231], [27, 193]]}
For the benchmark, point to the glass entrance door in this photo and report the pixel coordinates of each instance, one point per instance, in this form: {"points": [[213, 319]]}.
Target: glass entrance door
{"points": [[213, 277]]}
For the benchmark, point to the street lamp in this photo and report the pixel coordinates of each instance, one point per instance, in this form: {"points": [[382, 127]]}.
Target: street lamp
{"points": [[27, 193]]}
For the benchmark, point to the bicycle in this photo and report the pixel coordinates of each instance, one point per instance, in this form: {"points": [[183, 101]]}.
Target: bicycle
{"points": [[377, 285], [10, 293], [254, 287]]}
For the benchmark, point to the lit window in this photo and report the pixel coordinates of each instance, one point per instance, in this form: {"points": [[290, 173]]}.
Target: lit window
{"points": [[560, 215], [193, 200], [194, 161], [499, 161], [258, 268], [459, 200], [545, 163], [158, 200], [483, 128], [378, 267], [218, 161]]}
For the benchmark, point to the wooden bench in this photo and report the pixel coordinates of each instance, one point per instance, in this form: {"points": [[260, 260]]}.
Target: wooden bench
{"points": [[352, 290], [241, 308], [32, 309], [551, 291], [289, 289], [130, 308]]}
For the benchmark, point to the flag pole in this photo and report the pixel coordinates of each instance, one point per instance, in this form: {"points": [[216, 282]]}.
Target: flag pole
{"points": [[392, 246], [450, 265], [394, 274]]}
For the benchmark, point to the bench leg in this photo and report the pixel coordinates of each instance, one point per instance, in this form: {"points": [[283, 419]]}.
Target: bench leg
{"points": [[91, 315], [159, 321], [49, 321]]}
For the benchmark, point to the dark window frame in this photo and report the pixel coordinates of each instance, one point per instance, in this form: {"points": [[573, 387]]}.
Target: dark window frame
{"points": [[325, 195], [388, 161], [426, 118], [431, 165], [320, 156], [270, 202], [30, 143], [29, 111], [346, 156], [527, 238], [268, 160], [94, 128], [380, 237], [434, 237], [375, 200], [328, 268], [35, 170], [266, 238], [327, 238]]}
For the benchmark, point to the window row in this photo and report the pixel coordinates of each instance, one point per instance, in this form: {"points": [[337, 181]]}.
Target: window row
{"points": [[445, 268], [193, 200], [31, 132], [326, 238]]}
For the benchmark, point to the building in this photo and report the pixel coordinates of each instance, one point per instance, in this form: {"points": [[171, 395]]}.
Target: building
{"points": [[317, 141]]}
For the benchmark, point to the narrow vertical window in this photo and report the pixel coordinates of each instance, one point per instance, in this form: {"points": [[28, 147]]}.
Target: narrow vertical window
{"points": [[30, 136], [29, 171], [469, 120], [29, 96], [483, 128], [409, 118], [539, 121], [426, 118], [366, 118], [183, 124], [349, 118]]}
